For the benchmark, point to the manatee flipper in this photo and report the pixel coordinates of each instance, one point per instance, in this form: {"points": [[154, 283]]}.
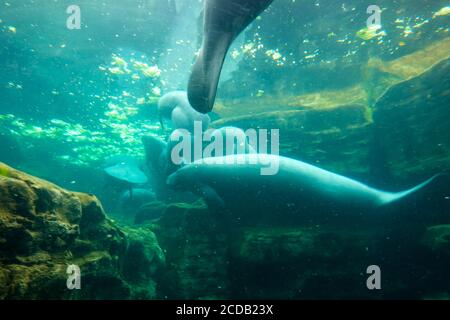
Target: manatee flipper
{"points": [[212, 199], [224, 20]]}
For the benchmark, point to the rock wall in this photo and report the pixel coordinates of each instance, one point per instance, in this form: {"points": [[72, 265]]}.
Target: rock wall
{"points": [[210, 256], [44, 228], [411, 126]]}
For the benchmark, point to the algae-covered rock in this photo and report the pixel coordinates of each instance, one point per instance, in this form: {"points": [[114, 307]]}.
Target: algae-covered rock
{"points": [[143, 259], [358, 83], [44, 229], [413, 116], [195, 244], [210, 256]]}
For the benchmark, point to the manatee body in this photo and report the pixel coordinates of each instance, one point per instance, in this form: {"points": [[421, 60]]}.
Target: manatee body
{"points": [[223, 21], [298, 188]]}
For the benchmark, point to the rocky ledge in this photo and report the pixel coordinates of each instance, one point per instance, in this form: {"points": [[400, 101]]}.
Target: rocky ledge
{"points": [[44, 229]]}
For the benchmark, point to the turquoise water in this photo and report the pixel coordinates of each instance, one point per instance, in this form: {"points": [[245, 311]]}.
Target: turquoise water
{"points": [[367, 103]]}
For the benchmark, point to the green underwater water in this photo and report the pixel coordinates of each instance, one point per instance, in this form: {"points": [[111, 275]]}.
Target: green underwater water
{"points": [[370, 104]]}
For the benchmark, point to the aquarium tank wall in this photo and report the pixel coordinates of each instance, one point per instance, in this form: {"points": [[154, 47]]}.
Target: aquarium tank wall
{"points": [[316, 169]]}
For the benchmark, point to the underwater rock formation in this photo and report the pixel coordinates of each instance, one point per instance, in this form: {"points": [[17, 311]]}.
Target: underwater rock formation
{"points": [[314, 262], [142, 262], [210, 256], [44, 228], [300, 263], [196, 245], [413, 116]]}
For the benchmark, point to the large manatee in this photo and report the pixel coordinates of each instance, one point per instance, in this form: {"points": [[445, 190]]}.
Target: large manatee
{"points": [[235, 182]]}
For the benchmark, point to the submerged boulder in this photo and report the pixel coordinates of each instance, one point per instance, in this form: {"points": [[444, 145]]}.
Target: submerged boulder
{"points": [[44, 229]]}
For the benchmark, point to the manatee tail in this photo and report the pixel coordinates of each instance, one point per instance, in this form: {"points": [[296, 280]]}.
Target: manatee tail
{"points": [[387, 198], [224, 20]]}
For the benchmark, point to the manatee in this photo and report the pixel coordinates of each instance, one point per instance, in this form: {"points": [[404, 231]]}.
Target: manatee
{"points": [[223, 21], [175, 106], [235, 182]]}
